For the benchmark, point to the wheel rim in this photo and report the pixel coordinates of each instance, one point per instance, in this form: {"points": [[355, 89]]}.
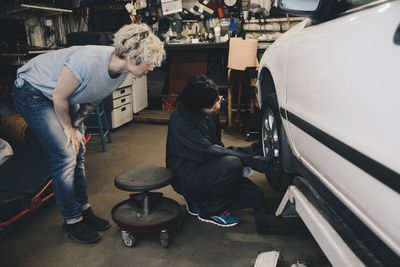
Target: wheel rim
{"points": [[269, 137]]}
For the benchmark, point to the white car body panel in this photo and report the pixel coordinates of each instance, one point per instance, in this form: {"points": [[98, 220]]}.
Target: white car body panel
{"points": [[274, 59], [347, 182], [336, 250], [342, 77]]}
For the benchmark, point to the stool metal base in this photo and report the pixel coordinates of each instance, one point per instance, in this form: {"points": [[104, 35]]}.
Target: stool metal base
{"points": [[130, 217]]}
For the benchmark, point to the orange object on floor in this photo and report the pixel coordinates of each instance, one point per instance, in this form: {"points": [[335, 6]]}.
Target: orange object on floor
{"points": [[14, 203]]}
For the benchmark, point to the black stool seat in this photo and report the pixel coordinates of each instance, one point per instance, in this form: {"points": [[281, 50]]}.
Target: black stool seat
{"points": [[143, 179]]}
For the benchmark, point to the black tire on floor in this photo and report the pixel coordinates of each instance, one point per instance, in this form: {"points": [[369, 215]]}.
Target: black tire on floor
{"points": [[269, 224]]}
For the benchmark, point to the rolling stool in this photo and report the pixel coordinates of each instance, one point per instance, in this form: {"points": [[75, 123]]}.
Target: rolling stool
{"points": [[145, 211]]}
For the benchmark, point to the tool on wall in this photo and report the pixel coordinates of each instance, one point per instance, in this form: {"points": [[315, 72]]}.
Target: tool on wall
{"points": [[133, 7]]}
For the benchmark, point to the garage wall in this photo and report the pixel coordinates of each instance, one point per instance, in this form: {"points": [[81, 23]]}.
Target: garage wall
{"points": [[48, 31]]}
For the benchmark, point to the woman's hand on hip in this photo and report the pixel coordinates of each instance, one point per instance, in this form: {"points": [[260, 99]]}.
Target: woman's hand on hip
{"points": [[75, 139]]}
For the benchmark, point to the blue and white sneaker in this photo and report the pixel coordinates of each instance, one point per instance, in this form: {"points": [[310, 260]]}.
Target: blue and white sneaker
{"points": [[225, 219], [192, 207]]}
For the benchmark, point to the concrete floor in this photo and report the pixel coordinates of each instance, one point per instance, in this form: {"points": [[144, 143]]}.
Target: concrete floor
{"points": [[37, 240]]}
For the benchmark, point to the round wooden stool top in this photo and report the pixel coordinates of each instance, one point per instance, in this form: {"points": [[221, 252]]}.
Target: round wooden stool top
{"points": [[143, 179]]}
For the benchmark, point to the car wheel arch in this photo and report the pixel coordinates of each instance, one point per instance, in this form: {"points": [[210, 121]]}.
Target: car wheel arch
{"points": [[267, 89], [267, 84]]}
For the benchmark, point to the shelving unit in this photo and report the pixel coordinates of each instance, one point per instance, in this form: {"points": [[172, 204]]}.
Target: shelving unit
{"points": [[15, 10]]}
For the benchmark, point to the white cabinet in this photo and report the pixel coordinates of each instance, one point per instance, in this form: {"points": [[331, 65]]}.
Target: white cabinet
{"points": [[139, 94], [121, 115], [121, 111], [129, 98]]}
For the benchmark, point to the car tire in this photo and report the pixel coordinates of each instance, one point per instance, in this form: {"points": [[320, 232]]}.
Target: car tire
{"points": [[271, 145]]}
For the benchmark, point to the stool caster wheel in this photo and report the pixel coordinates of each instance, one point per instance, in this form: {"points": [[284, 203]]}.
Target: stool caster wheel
{"points": [[164, 238], [128, 239]]}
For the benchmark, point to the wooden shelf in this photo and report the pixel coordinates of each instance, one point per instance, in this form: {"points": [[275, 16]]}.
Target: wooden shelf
{"points": [[15, 10], [162, 116]]}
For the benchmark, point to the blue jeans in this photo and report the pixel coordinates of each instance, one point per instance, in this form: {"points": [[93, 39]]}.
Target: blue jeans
{"points": [[67, 169]]}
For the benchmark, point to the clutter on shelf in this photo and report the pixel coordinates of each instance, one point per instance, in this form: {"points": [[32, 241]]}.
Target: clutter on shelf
{"points": [[211, 21]]}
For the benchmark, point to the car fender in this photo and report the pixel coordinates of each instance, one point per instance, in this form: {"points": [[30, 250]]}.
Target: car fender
{"points": [[274, 63]]}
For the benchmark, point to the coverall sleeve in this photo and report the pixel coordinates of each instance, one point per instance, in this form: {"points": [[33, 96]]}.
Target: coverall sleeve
{"points": [[196, 144]]}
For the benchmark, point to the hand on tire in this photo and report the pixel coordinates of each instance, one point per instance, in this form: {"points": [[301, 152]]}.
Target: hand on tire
{"points": [[258, 163]]}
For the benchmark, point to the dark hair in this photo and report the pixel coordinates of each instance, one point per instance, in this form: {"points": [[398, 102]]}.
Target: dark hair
{"points": [[199, 92]]}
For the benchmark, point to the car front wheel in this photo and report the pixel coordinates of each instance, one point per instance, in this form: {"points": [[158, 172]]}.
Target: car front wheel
{"points": [[271, 144]]}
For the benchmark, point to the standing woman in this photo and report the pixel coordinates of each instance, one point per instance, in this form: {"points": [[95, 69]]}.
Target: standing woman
{"points": [[47, 92]]}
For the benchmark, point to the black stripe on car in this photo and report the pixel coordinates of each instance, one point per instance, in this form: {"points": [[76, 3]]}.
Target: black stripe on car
{"points": [[358, 233], [365, 163]]}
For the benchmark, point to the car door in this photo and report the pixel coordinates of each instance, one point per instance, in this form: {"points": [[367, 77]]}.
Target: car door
{"points": [[342, 105]]}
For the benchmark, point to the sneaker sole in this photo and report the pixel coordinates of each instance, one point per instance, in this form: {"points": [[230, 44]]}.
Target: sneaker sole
{"points": [[187, 207], [218, 224], [81, 241]]}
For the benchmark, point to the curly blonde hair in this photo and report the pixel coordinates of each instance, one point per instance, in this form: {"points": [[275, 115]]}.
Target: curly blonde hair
{"points": [[138, 43]]}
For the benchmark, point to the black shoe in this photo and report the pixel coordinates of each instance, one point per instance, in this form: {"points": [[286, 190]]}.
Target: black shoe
{"points": [[80, 232], [93, 221]]}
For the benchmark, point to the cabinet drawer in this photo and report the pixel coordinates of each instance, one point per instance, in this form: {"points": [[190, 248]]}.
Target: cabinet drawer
{"points": [[122, 92], [128, 80], [122, 101], [121, 115]]}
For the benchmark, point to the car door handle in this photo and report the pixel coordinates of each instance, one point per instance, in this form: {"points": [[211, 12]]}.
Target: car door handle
{"points": [[396, 38]]}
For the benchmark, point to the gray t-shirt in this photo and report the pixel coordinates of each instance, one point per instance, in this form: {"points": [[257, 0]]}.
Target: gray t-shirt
{"points": [[89, 65]]}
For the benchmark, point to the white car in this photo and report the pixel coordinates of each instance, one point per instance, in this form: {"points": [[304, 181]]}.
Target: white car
{"points": [[329, 89]]}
